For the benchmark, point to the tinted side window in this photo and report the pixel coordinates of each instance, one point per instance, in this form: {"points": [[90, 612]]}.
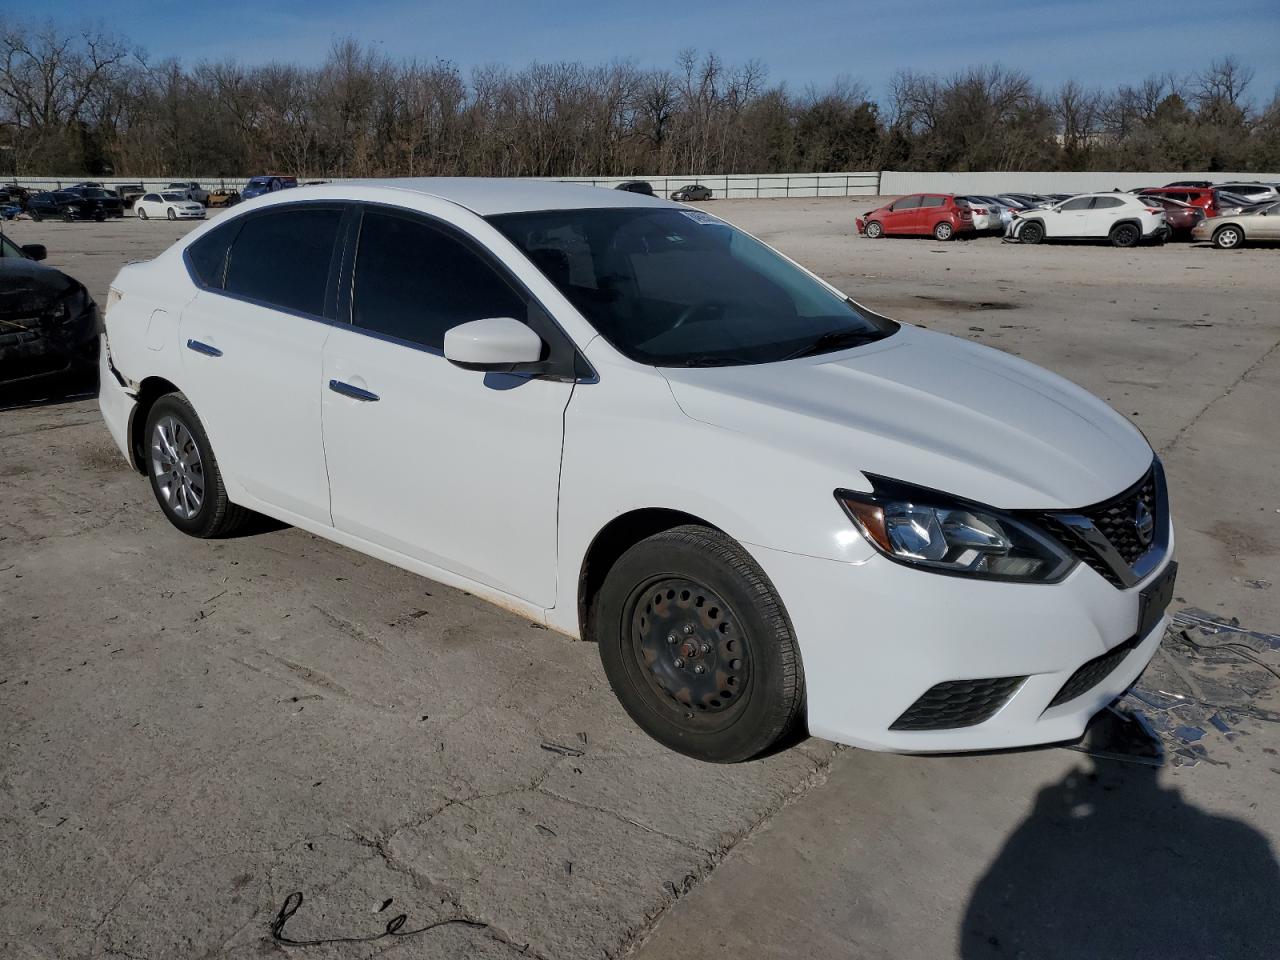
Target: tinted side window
{"points": [[414, 281], [1102, 203], [282, 257], [906, 203], [208, 255], [1079, 203], [934, 201]]}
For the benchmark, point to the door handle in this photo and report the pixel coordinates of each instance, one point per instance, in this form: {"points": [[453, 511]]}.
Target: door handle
{"points": [[206, 349], [355, 393]]}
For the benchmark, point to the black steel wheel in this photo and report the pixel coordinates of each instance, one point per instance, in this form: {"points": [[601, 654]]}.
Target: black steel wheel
{"points": [[1031, 232], [697, 646]]}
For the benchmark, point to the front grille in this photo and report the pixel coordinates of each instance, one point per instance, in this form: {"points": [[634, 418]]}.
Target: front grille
{"points": [[1093, 672], [1112, 547], [1082, 551], [1115, 518], [958, 703]]}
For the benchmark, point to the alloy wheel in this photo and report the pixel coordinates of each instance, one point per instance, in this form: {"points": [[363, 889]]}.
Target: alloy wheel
{"points": [[1227, 238], [178, 467]]}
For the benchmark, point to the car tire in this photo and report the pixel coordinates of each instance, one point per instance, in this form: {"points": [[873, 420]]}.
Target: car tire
{"points": [[943, 231], [1125, 235], [100, 216], [172, 214], [36, 215], [697, 646], [1228, 237], [873, 230], [184, 472], [68, 217], [1031, 232], [142, 214]]}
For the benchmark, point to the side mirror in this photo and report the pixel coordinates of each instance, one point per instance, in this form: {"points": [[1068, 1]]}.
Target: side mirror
{"points": [[35, 251], [497, 343]]}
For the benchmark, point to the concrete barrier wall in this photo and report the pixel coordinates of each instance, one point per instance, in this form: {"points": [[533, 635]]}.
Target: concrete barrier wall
{"points": [[864, 183], [740, 185], [893, 182]]}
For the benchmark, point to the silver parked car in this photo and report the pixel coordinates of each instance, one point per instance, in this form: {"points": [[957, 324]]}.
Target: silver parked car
{"points": [[1229, 232]]}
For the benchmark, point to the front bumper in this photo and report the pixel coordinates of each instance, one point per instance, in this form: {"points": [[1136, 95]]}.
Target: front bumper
{"points": [[874, 637]]}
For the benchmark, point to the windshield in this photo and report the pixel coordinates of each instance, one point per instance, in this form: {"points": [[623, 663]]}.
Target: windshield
{"points": [[174, 196], [10, 249], [681, 288], [259, 181]]}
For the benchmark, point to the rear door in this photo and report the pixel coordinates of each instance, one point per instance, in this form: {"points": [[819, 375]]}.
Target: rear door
{"points": [[456, 468], [1104, 213], [252, 341], [933, 208]]}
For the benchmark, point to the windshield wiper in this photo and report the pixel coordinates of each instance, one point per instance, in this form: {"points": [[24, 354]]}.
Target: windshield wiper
{"points": [[835, 340], [716, 360]]}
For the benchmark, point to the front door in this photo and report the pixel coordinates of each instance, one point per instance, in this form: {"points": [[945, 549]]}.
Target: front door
{"points": [[456, 468]]}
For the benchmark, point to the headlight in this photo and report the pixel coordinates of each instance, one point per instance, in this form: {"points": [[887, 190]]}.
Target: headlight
{"points": [[926, 529]]}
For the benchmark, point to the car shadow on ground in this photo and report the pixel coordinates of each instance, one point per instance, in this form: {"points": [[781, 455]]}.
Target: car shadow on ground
{"points": [[1111, 863]]}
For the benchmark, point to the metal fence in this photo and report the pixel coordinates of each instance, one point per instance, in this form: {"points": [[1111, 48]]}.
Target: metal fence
{"points": [[736, 185]]}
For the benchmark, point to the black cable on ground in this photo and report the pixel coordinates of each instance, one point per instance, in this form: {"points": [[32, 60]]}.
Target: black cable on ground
{"points": [[1239, 649], [394, 928]]}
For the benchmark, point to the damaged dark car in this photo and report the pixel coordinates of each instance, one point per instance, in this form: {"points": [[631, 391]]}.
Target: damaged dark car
{"points": [[48, 321]]}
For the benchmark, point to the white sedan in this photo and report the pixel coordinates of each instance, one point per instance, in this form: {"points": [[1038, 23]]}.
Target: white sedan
{"points": [[770, 507], [1120, 218], [167, 205]]}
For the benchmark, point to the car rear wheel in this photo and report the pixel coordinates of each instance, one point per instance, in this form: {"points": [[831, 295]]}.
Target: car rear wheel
{"points": [[184, 472], [142, 214], [36, 215], [697, 646], [874, 230], [1125, 235], [1031, 233], [943, 231], [1228, 237]]}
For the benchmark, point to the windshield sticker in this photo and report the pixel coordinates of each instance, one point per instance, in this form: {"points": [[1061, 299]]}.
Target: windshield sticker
{"points": [[697, 216]]}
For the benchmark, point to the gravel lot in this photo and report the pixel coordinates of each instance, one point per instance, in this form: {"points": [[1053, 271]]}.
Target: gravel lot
{"points": [[193, 730]]}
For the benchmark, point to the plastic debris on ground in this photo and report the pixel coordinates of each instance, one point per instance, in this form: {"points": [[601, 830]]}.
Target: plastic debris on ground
{"points": [[1211, 682]]}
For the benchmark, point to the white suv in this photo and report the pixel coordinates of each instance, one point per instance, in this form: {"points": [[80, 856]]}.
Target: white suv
{"points": [[1121, 218], [626, 419]]}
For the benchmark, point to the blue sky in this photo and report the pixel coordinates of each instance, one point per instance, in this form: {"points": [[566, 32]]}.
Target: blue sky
{"points": [[1099, 42]]}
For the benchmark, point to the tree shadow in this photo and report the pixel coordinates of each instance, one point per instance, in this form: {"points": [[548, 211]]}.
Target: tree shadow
{"points": [[1112, 864]]}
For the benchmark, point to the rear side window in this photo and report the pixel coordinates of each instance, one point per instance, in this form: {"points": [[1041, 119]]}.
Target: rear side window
{"points": [[207, 257], [1102, 203], [414, 281], [933, 201], [281, 257]]}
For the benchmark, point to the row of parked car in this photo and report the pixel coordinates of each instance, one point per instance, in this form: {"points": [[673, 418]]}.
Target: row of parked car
{"points": [[91, 200], [1227, 214]]}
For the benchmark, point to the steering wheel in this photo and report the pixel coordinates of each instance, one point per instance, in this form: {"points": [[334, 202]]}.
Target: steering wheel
{"points": [[691, 311]]}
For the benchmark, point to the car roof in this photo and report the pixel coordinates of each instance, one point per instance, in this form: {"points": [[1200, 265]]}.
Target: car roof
{"points": [[487, 196]]}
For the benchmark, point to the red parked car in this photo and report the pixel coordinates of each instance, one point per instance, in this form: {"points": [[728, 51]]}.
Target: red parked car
{"points": [[1206, 198], [1181, 217], [921, 214]]}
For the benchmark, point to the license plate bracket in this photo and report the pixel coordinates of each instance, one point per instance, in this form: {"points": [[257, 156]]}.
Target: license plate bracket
{"points": [[1155, 599]]}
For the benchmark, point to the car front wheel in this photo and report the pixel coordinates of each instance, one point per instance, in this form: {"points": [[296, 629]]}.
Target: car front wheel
{"points": [[172, 214], [697, 646], [184, 472], [1031, 233], [1228, 238], [142, 214], [874, 230]]}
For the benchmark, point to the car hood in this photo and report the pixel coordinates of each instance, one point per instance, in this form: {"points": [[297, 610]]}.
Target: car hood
{"points": [[27, 286], [931, 410]]}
